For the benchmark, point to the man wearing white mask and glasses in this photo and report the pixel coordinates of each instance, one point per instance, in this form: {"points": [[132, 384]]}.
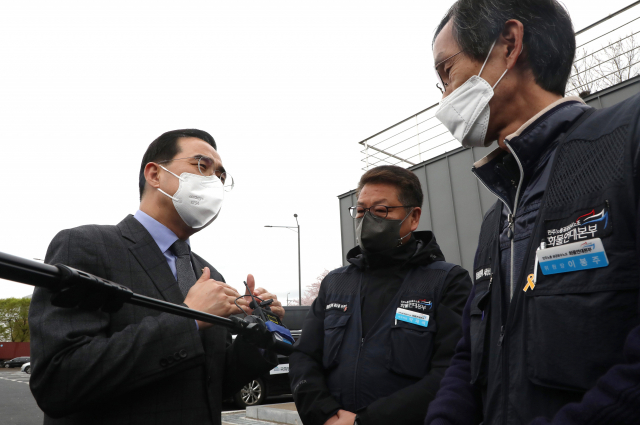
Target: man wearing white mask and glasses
{"points": [[550, 329], [137, 365]]}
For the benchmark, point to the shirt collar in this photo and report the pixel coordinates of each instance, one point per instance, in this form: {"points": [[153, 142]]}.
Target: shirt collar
{"points": [[160, 233]]}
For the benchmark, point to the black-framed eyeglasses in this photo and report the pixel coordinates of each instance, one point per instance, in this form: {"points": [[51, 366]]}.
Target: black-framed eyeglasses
{"points": [[439, 73], [380, 211], [206, 167]]}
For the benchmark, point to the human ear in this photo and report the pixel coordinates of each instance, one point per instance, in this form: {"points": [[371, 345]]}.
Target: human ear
{"points": [[152, 175], [512, 36], [415, 218]]}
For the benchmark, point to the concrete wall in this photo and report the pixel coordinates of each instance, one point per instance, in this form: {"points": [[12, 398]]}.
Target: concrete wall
{"points": [[455, 201]]}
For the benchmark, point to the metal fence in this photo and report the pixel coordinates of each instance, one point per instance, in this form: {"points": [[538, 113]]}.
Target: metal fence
{"points": [[608, 53], [454, 200]]}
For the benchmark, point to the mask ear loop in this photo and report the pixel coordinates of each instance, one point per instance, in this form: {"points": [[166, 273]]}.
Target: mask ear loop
{"points": [[505, 72], [487, 58], [165, 193], [408, 234]]}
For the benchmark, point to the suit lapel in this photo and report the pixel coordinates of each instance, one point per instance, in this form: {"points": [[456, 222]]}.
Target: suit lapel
{"points": [[149, 256]]}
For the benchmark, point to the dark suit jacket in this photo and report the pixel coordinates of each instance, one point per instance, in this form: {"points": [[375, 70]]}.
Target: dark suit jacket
{"points": [[135, 366]]}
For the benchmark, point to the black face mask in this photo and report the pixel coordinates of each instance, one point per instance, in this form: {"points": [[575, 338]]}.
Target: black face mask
{"points": [[376, 234]]}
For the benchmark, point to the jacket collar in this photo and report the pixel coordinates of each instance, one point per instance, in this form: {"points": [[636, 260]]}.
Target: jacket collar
{"points": [[530, 126], [422, 249], [531, 142], [152, 260]]}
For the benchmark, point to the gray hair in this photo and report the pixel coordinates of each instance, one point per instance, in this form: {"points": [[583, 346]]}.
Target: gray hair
{"points": [[549, 40]]}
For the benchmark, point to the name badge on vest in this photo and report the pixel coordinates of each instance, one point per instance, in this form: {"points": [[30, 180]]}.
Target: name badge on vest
{"points": [[572, 257], [409, 316]]}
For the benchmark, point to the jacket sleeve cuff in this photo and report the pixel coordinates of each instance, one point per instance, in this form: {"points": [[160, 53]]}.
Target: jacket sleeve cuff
{"points": [[327, 412]]}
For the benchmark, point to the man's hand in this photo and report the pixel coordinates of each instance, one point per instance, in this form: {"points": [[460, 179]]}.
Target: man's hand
{"points": [[213, 297], [332, 420], [263, 294], [344, 418]]}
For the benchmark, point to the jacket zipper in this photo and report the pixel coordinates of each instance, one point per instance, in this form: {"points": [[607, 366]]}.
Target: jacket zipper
{"points": [[513, 216], [355, 373], [357, 368], [505, 354], [510, 235]]}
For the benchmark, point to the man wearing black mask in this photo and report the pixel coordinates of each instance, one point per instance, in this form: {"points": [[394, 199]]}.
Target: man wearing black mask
{"points": [[382, 331]]}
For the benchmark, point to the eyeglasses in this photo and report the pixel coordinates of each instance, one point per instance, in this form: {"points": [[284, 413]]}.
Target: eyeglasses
{"points": [[439, 73], [380, 211], [206, 167]]}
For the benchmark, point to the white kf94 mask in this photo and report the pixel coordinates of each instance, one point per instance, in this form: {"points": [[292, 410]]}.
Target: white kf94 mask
{"points": [[465, 112], [198, 199]]}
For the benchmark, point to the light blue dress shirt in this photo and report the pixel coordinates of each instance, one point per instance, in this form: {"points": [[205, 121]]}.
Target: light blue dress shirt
{"points": [[163, 237]]}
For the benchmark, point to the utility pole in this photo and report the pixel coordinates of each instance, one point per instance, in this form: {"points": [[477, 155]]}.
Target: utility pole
{"points": [[297, 227]]}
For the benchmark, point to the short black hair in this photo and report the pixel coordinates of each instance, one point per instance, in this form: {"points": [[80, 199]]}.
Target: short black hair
{"points": [[166, 147], [408, 184], [549, 40]]}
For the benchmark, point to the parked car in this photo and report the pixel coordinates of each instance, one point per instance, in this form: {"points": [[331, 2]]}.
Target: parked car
{"points": [[26, 368], [17, 362], [274, 383]]}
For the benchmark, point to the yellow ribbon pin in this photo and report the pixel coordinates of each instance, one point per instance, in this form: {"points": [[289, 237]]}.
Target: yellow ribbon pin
{"points": [[530, 283]]}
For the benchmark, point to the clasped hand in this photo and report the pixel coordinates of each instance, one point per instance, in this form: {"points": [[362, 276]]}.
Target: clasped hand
{"points": [[343, 417], [218, 298]]}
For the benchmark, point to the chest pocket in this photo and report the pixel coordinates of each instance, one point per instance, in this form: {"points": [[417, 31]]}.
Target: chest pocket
{"points": [[335, 325], [411, 348], [577, 322]]}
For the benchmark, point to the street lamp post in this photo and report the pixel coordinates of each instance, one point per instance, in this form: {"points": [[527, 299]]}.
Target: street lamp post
{"points": [[297, 227]]}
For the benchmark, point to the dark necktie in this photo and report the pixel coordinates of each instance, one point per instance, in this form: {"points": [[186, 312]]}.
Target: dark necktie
{"points": [[184, 270]]}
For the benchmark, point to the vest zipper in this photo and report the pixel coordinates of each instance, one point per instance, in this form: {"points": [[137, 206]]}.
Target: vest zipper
{"points": [[505, 354], [513, 215], [355, 378], [501, 336]]}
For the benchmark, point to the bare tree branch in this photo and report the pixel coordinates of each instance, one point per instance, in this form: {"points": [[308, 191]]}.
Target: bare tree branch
{"points": [[612, 64]]}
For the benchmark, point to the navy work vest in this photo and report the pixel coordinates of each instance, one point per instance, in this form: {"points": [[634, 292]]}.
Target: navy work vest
{"points": [[550, 344], [393, 355]]}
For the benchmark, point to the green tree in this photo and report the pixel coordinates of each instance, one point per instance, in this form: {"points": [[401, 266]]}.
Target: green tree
{"points": [[14, 319]]}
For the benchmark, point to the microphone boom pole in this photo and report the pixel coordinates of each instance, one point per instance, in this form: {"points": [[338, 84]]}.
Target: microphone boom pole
{"points": [[75, 288]]}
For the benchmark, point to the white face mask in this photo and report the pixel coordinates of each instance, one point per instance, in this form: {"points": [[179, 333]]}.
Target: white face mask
{"points": [[198, 199], [465, 112]]}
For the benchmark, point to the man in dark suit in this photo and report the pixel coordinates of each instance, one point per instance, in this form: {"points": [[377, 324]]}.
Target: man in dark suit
{"points": [[139, 366]]}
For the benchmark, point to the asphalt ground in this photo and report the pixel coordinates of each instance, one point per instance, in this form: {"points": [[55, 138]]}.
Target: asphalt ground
{"points": [[18, 407]]}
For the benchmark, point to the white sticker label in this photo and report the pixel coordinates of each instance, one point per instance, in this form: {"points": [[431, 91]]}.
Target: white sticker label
{"points": [[280, 369], [412, 317], [572, 257]]}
